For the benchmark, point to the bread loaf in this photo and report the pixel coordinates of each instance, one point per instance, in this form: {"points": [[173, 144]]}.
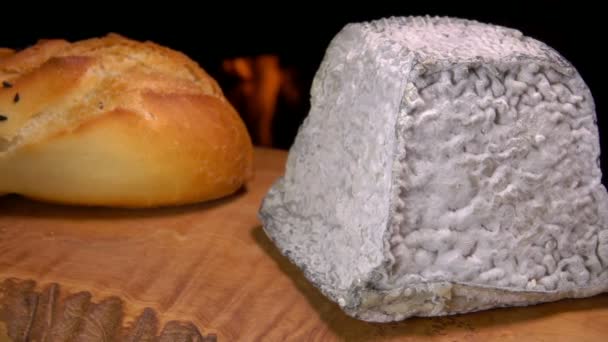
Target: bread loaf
{"points": [[116, 122], [446, 166]]}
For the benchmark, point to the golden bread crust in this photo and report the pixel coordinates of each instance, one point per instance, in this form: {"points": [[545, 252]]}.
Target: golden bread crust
{"points": [[116, 122]]}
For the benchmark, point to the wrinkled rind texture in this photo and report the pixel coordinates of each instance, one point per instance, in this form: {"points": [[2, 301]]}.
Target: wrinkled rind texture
{"points": [[495, 194], [115, 122]]}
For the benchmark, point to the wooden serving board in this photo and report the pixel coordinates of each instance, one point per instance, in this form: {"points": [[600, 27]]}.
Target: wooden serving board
{"points": [[205, 272]]}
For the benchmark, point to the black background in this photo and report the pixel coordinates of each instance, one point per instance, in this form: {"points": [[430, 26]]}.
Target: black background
{"points": [[299, 33]]}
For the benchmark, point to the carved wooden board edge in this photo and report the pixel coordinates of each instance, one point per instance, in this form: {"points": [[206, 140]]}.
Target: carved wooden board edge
{"points": [[48, 315]]}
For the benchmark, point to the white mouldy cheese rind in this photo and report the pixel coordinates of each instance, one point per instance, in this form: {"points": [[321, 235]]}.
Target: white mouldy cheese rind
{"points": [[446, 166]]}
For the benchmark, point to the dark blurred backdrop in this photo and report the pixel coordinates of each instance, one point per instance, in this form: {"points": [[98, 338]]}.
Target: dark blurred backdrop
{"points": [[265, 56]]}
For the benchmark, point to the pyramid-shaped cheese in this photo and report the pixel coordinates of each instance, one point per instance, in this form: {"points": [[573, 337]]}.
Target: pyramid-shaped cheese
{"points": [[445, 166]]}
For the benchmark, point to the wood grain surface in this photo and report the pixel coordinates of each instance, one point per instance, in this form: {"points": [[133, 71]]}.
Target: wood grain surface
{"points": [[208, 271]]}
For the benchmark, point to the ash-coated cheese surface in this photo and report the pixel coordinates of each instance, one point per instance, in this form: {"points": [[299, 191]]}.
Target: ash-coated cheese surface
{"points": [[445, 166]]}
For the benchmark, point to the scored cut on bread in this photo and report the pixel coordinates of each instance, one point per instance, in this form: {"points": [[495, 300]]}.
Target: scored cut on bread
{"points": [[116, 122], [445, 166]]}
